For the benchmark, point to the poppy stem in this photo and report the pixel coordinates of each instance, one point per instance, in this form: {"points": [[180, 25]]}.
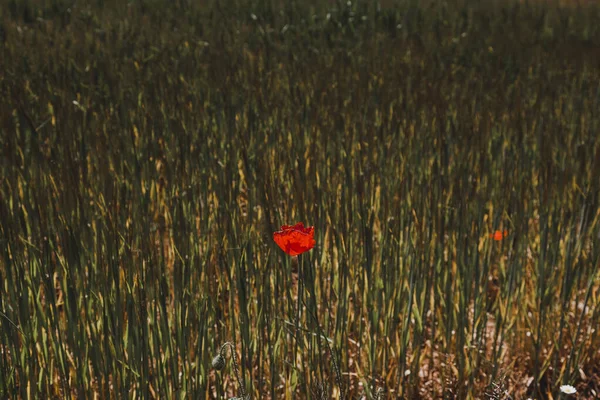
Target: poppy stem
{"points": [[300, 290]]}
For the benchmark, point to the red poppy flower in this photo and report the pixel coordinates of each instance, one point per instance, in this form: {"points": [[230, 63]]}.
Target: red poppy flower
{"points": [[295, 240], [499, 235]]}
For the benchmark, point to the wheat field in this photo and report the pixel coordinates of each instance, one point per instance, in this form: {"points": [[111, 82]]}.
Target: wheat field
{"points": [[447, 154]]}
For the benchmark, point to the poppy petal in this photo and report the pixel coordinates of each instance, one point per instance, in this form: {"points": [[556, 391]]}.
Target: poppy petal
{"points": [[295, 240], [499, 235]]}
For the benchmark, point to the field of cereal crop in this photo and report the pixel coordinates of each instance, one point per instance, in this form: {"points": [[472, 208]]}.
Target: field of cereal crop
{"points": [[446, 152]]}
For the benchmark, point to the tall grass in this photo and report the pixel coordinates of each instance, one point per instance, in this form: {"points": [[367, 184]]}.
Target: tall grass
{"points": [[149, 150]]}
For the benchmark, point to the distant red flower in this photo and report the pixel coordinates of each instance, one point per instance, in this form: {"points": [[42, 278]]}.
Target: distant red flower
{"points": [[499, 235], [295, 240]]}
